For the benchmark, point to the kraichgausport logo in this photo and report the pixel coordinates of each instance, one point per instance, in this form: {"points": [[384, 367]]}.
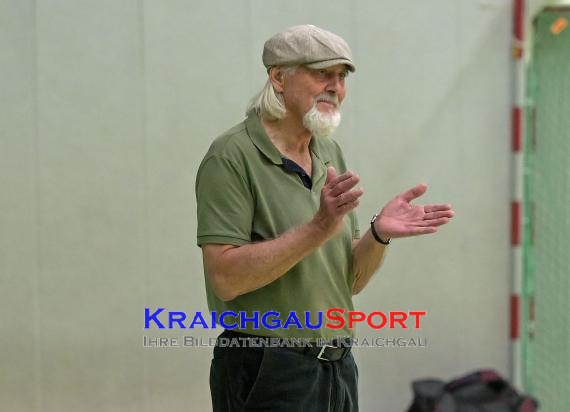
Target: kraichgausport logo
{"points": [[336, 318]]}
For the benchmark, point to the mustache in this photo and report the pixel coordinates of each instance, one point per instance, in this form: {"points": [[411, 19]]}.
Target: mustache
{"points": [[329, 98]]}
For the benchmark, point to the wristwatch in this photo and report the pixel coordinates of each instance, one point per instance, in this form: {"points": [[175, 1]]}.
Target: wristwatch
{"points": [[375, 233]]}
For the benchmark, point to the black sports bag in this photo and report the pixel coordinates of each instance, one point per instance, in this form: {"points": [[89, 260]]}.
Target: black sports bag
{"points": [[480, 391]]}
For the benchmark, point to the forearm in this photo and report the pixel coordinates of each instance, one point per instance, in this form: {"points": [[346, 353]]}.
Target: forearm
{"points": [[239, 270], [367, 256]]}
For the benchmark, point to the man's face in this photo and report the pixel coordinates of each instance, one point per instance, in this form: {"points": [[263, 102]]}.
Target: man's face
{"points": [[323, 88]]}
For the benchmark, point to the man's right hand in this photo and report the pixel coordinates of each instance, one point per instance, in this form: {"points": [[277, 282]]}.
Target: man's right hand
{"points": [[337, 199]]}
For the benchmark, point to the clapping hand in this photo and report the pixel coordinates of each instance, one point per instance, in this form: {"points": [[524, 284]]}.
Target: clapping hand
{"points": [[399, 218]]}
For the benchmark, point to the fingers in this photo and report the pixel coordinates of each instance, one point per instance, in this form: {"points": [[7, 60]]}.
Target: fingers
{"points": [[340, 187], [416, 231], [437, 208], [437, 215], [337, 199], [342, 183], [338, 196], [434, 222], [331, 175], [414, 192], [348, 197], [347, 207]]}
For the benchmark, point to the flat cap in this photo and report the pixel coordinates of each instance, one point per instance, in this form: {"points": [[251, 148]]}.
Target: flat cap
{"points": [[307, 45]]}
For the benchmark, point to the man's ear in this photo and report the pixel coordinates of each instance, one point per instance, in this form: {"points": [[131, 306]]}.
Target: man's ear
{"points": [[276, 76]]}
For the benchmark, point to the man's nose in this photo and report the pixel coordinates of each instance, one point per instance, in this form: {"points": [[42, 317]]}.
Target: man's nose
{"points": [[334, 84]]}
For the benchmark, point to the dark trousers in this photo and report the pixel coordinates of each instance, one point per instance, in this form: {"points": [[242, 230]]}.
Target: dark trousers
{"points": [[281, 380]]}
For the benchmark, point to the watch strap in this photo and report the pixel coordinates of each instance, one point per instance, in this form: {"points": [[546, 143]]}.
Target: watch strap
{"points": [[375, 233]]}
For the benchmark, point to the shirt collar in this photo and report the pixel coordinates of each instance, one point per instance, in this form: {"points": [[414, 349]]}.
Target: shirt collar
{"points": [[260, 139]]}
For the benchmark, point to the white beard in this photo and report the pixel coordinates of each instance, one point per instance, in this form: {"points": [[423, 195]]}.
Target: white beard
{"points": [[321, 124]]}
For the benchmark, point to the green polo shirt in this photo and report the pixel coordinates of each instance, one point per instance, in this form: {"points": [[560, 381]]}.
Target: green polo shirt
{"points": [[245, 195]]}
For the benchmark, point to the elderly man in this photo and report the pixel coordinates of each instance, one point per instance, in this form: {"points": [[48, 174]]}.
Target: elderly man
{"points": [[279, 234]]}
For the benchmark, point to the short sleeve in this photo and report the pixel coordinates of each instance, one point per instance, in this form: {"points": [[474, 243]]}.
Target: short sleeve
{"points": [[224, 203]]}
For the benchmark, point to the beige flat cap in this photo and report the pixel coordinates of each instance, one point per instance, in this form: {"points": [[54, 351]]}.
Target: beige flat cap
{"points": [[307, 45]]}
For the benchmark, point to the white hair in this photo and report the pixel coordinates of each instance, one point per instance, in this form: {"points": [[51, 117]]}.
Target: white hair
{"points": [[267, 101], [321, 124]]}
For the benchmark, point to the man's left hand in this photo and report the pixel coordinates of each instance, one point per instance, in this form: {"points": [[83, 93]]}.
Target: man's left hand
{"points": [[399, 218]]}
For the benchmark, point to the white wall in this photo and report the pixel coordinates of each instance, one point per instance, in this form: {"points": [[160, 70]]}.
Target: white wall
{"points": [[107, 110]]}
